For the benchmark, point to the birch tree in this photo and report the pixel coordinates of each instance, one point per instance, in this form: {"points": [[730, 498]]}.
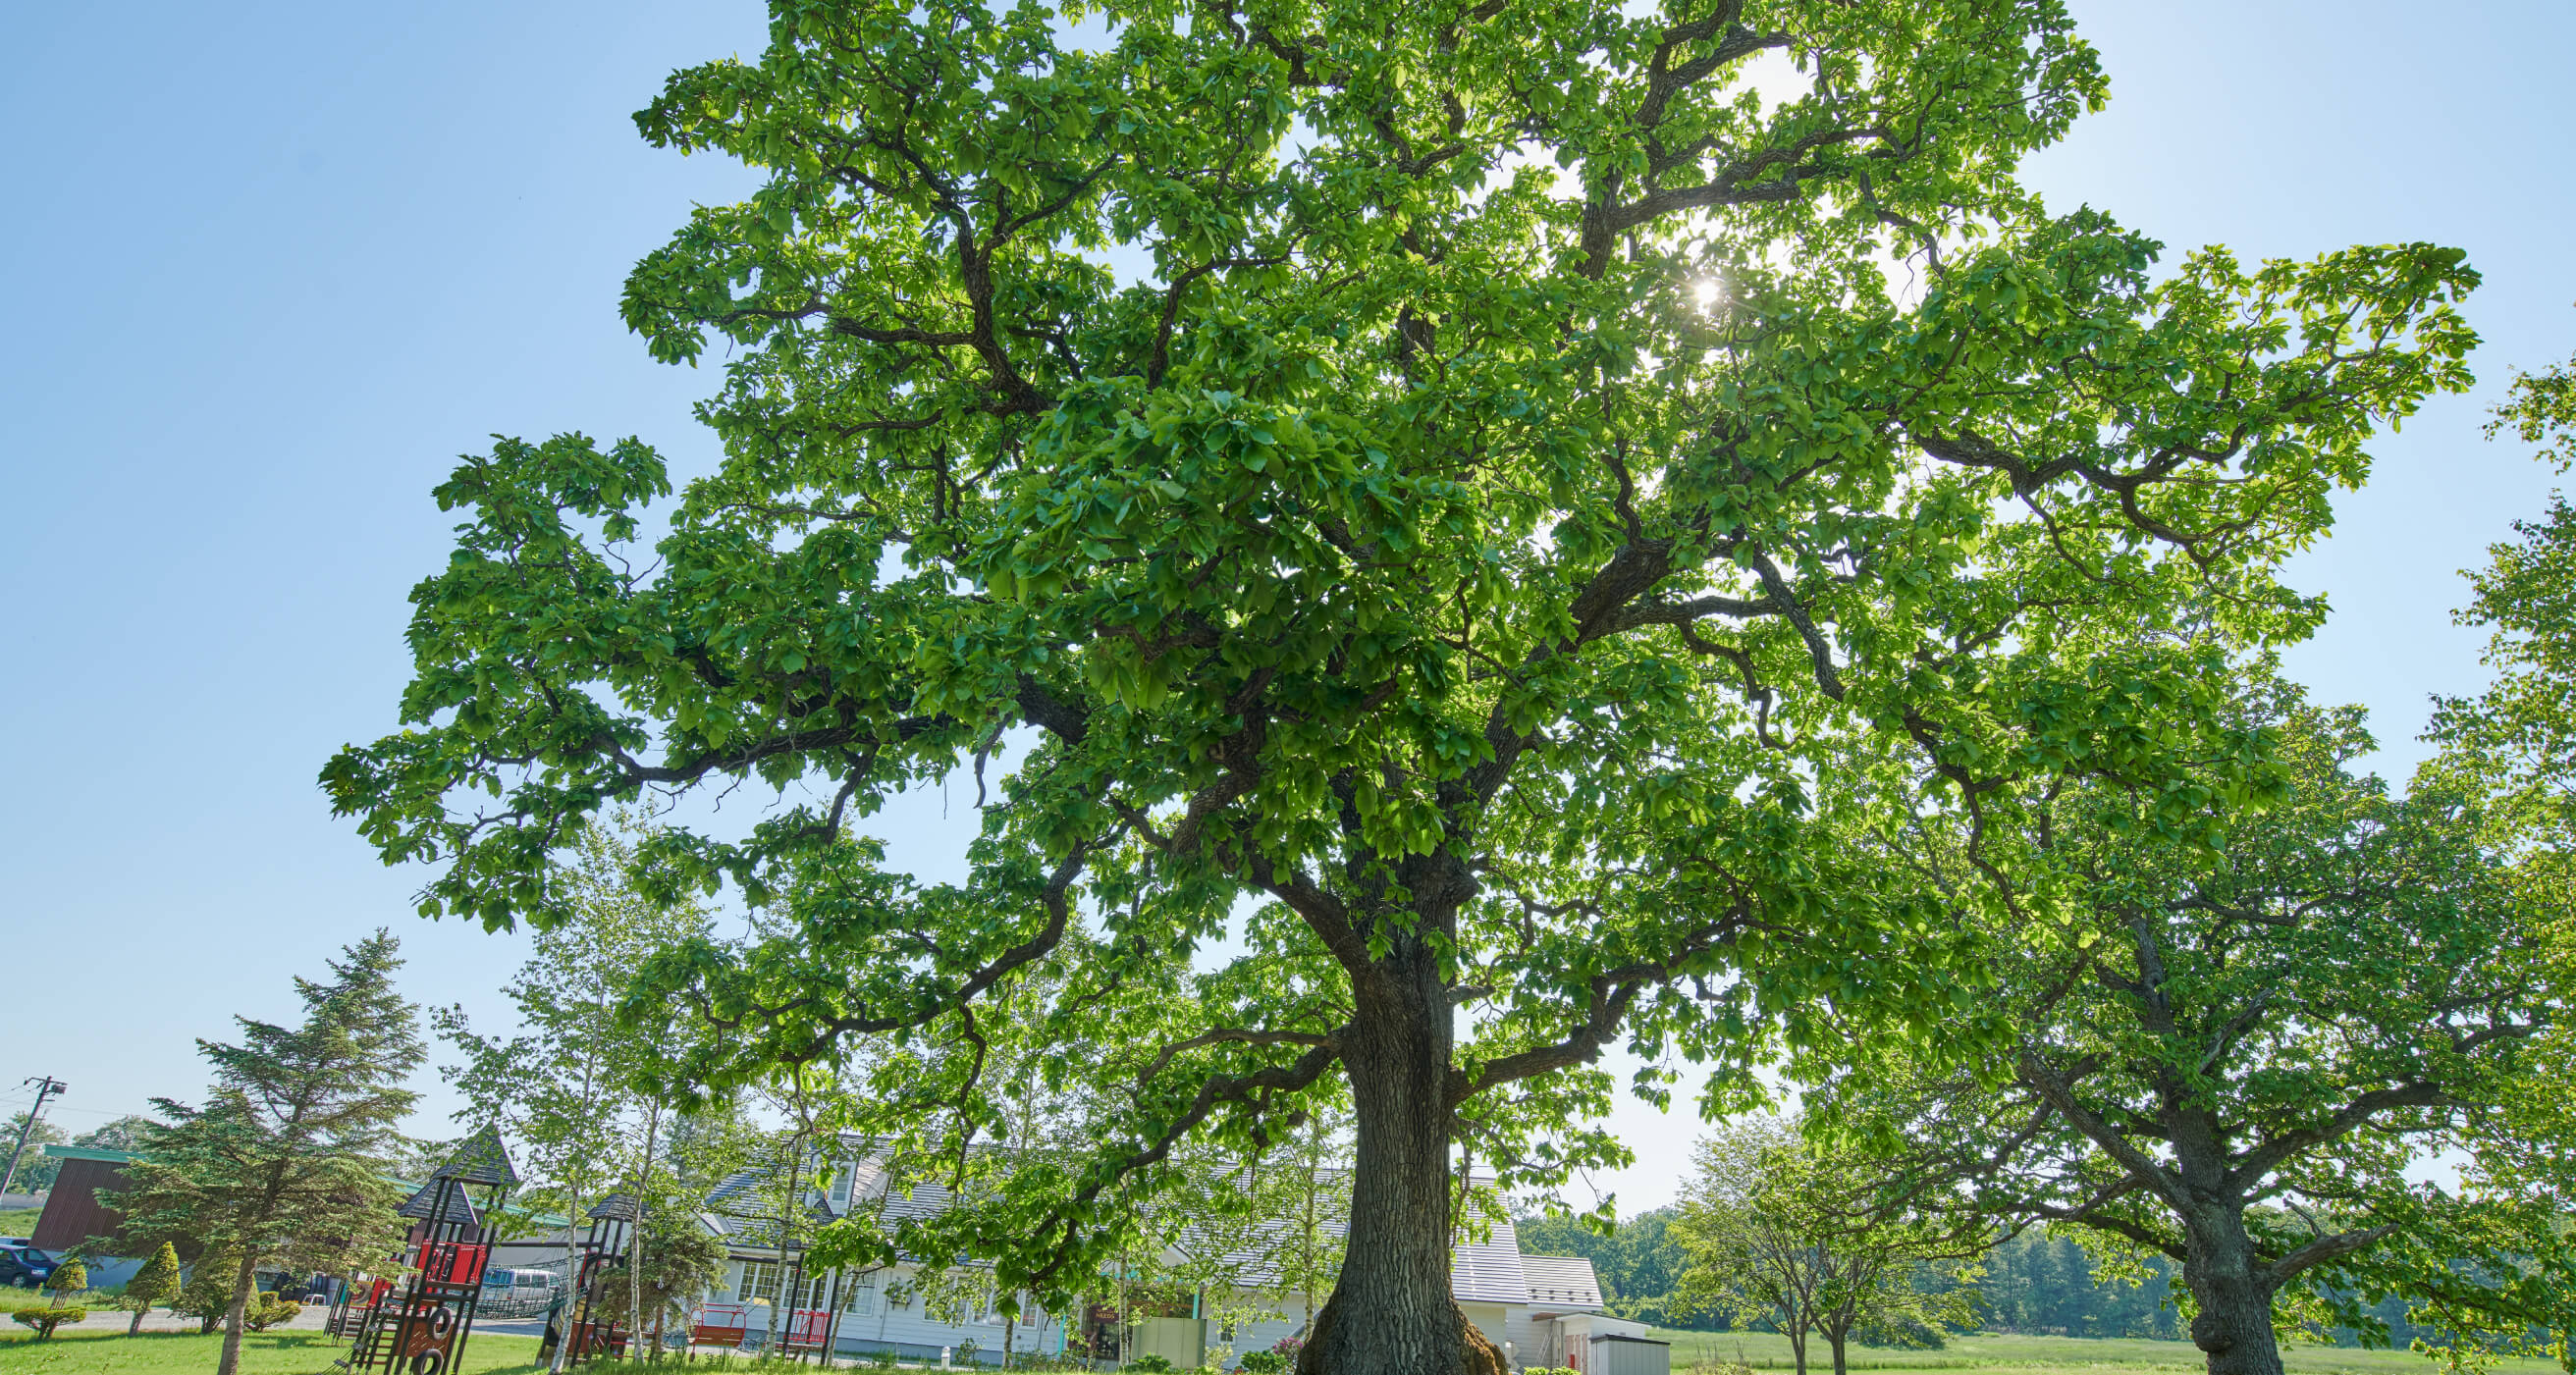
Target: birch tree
{"points": [[562, 1083]]}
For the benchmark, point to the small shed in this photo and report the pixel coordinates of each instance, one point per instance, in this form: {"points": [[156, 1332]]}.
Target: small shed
{"points": [[1616, 1353]]}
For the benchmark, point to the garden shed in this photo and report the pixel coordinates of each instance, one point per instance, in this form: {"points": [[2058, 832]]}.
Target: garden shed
{"points": [[1617, 1353]]}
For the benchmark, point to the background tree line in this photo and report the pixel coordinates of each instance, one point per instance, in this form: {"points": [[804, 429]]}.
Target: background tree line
{"points": [[2032, 1283]]}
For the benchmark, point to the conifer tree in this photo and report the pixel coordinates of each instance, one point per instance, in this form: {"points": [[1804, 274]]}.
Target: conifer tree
{"points": [[157, 1281], [285, 1163], [208, 1294]]}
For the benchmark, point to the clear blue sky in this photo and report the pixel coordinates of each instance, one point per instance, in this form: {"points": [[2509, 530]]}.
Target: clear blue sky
{"points": [[270, 268]]}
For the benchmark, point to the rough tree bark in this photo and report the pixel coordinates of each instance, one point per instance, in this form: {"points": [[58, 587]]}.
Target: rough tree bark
{"points": [[244, 1280], [1392, 1311], [2234, 1325]]}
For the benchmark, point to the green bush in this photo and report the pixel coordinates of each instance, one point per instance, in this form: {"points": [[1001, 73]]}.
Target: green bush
{"points": [[70, 1277], [1263, 1363], [209, 1292], [156, 1283], [265, 1311], [1152, 1363], [45, 1320]]}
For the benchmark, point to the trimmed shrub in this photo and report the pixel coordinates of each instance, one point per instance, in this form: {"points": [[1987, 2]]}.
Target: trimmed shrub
{"points": [[265, 1311], [209, 1292], [156, 1283], [1152, 1363], [70, 1277], [45, 1320], [1263, 1363]]}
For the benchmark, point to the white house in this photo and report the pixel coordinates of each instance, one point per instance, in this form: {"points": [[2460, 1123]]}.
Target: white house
{"points": [[1543, 1310]]}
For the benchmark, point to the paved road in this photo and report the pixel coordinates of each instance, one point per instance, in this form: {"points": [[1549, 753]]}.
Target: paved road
{"points": [[163, 1320]]}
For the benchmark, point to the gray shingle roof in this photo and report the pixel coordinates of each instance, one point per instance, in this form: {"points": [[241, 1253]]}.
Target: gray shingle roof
{"points": [[459, 1208], [480, 1159]]}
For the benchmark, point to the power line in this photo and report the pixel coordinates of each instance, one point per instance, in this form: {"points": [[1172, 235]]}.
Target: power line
{"points": [[46, 1086]]}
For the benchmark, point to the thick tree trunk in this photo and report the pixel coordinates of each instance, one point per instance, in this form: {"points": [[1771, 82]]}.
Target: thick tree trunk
{"points": [[243, 1283], [1392, 1312], [2234, 1326]]}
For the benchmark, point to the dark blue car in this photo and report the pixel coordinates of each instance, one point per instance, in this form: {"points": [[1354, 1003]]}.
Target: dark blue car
{"points": [[24, 1267]]}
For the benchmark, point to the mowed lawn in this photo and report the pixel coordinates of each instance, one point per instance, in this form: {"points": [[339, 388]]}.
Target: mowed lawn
{"points": [[1995, 1354], [186, 1353]]}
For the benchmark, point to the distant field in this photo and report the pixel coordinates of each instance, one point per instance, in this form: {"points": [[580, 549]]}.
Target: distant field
{"points": [[1992, 1354], [19, 1222], [287, 1353]]}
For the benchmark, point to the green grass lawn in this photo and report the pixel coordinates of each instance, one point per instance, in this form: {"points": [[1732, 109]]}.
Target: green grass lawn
{"points": [[272, 1353], [19, 1222], [311, 1353], [1996, 1354]]}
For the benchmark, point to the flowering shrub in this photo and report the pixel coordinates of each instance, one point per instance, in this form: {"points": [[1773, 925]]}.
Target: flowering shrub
{"points": [[1288, 1347], [45, 1320]]}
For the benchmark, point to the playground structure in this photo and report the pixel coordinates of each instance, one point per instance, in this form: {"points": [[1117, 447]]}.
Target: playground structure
{"points": [[418, 1324], [601, 1263]]}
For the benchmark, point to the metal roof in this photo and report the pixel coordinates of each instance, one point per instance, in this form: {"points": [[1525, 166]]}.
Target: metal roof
{"points": [[1561, 1281]]}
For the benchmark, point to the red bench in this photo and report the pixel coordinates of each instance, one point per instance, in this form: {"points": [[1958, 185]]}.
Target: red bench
{"points": [[808, 1330], [719, 1324]]}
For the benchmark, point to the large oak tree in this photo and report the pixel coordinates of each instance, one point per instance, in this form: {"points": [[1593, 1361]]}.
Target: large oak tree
{"points": [[1426, 491], [2238, 1045]]}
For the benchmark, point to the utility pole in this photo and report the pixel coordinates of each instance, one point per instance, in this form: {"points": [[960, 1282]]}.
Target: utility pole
{"points": [[46, 1087]]}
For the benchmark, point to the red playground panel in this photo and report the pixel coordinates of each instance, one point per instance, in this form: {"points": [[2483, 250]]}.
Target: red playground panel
{"points": [[453, 1262]]}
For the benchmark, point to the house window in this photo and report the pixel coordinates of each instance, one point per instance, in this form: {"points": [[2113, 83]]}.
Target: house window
{"points": [[841, 1172], [862, 1293], [759, 1281], [988, 1311]]}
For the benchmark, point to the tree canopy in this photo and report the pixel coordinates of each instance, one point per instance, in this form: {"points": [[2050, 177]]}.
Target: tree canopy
{"points": [[1422, 505], [1792, 1229], [2237, 1056]]}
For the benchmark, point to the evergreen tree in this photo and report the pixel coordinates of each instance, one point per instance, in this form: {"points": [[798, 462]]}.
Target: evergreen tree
{"points": [[208, 1294], [124, 1134], [156, 1282], [285, 1163]]}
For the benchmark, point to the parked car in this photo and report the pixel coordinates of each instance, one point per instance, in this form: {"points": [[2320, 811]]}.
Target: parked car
{"points": [[24, 1266]]}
